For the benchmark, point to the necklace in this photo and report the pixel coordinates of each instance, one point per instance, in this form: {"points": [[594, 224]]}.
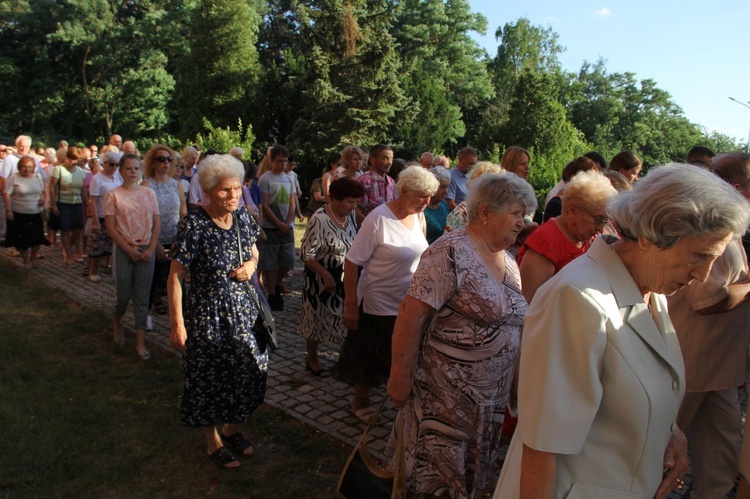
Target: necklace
{"points": [[335, 218]]}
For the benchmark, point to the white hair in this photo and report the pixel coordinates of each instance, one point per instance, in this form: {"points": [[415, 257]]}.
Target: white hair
{"points": [[417, 179], [216, 167]]}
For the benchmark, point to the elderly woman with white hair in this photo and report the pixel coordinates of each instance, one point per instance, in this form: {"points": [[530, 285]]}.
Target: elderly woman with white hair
{"points": [[225, 367], [387, 247], [601, 373], [103, 182], [456, 342]]}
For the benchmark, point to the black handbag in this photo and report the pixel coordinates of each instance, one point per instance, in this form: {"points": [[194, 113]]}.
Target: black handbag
{"points": [[363, 478], [264, 328]]}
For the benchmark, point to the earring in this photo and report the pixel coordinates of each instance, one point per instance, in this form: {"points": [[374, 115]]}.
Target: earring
{"points": [[486, 222], [574, 223]]}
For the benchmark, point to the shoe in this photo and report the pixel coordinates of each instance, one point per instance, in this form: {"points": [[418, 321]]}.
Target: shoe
{"points": [[239, 443], [85, 272], [144, 354], [366, 415], [107, 270], [149, 323], [95, 278], [39, 256], [320, 373], [282, 290], [276, 302], [223, 458]]}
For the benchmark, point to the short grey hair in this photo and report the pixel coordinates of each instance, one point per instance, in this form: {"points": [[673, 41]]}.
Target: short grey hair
{"points": [[499, 191], [441, 173], [417, 179], [110, 157], [589, 190], [237, 152], [219, 166], [677, 200]]}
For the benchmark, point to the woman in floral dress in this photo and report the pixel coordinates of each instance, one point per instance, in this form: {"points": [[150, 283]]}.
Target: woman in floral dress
{"points": [[453, 380]]}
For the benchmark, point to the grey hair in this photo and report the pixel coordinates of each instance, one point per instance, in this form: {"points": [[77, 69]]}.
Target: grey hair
{"points": [[590, 190], [237, 152], [441, 173], [417, 179], [677, 200], [219, 166], [499, 191], [110, 157]]}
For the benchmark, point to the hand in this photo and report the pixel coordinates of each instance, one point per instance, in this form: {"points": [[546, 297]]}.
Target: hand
{"points": [[95, 226], [351, 317], [399, 390], [675, 464], [147, 254], [134, 254], [300, 218], [284, 229], [177, 338], [8, 214], [329, 283], [55, 210], [244, 272]]}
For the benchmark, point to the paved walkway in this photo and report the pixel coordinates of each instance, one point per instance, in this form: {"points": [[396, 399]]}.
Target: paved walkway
{"points": [[320, 402]]}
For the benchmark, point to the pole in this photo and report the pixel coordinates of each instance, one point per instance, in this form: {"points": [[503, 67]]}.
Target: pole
{"points": [[747, 144]]}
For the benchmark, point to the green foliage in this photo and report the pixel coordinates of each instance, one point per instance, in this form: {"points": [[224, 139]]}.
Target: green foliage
{"points": [[223, 139]]}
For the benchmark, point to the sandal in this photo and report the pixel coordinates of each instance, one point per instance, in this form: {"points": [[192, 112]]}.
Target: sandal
{"points": [[144, 354], [320, 373], [223, 458], [365, 415], [238, 442]]}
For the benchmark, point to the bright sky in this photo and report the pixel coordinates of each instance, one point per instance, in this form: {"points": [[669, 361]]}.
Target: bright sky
{"points": [[695, 49]]}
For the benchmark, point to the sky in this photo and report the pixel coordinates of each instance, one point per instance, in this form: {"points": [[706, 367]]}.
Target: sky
{"points": [[695, 50]]}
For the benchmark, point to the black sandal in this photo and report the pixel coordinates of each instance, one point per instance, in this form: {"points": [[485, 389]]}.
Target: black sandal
{"points": [[223, 458], [238, 442]]}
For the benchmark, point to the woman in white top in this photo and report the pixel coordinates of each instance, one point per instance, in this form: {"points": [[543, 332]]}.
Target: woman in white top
{"points": [[24, 200], [103, 182], [388, 247]]}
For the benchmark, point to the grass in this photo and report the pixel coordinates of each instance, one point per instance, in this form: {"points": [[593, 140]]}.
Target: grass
{"points": [[81, 417]]}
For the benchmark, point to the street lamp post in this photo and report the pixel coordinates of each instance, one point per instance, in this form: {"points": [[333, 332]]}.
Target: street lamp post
{"points": [[747, 144]]}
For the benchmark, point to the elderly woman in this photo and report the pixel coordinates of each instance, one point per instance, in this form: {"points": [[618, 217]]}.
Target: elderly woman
{"points": [[24, 202], [328, 237], [103, 182], [158, 173], [131, 217], [388, 247], [560, 240], [437, 211], [225, 369], [601, 373], [68, 197], [456, 343]]}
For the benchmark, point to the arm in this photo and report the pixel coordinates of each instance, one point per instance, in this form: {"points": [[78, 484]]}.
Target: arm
{"points": [[6, 200], [245, 271], [94, 214], [292, 210], [451, 204], [148, 253], [178, 334], [737, 294], [114, 234], [538, 473], [52, 198], [326, 183], [183, 204], [535, 271], [407, 335], [328, 281], [282, 227], [351, 302], [675, 462]]}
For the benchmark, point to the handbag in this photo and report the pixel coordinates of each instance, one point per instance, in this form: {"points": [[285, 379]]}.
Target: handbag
{"points": [[53, 221], [264, 328], [363, 478]]}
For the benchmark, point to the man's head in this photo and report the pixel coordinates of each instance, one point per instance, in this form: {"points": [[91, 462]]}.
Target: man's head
{"points": [[94, 150], [23, 145], [599, 160], [381, 158], [279, 155], [128, 147], [116, 141], [443, 161], [700, 156], [237, 152], [735, 169], [467, 158], [3, 151], [427, 159]]}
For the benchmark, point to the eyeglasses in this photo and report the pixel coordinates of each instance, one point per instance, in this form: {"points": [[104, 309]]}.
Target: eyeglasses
{"points": [[180, 166], [108, 163], [163, 159], [600, 220]]}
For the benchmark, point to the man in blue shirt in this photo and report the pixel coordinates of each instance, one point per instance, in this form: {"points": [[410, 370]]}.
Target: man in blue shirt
{"points": [[467, 158]]}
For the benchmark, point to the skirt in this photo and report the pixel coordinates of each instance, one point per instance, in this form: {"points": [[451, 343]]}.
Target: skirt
{"points": [[25, 231]]}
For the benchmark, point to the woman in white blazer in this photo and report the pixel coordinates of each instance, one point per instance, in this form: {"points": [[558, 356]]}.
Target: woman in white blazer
{"points": [[601, 374]]}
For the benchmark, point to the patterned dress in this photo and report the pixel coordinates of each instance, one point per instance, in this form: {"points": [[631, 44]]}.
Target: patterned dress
{"points": [[465, 368], [321, 314], [225, 372]]}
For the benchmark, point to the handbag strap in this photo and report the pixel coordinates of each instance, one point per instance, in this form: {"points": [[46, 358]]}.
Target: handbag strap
{"points": [[236, 221]]}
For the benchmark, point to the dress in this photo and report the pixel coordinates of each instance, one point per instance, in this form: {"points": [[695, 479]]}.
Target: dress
{"points": [[225, 372], [321, 313], [436, 218], [549, 241], [465, 369]]}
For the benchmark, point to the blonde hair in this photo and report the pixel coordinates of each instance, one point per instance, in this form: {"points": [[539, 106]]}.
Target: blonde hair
{"points": [[589, 190], [483, 168]]}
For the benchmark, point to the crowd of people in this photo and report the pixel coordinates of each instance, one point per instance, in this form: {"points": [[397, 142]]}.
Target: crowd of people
{"points": [[606, 332]]}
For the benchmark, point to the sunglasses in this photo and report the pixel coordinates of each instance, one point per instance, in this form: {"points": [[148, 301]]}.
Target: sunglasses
{"points": [[108, 163], [163, 159]]}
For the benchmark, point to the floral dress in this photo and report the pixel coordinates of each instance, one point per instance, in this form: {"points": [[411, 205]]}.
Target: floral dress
{"points": [[225, 371], [321, 314], [465, 368]]}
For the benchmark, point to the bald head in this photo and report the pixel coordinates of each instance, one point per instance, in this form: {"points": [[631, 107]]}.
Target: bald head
{"points": [[128, 147], [116, 141], [735, 169], [427, 159]]}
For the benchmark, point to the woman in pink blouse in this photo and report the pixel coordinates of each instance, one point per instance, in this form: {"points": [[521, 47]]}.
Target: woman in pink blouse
{"points": [[131, 216]]}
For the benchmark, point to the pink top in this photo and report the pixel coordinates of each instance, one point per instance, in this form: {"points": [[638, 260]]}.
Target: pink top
{"points": [[549, 241], [134, 211]]}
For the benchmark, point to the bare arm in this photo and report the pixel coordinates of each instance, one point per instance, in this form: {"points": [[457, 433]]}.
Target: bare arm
{"points": [[155, 229], [737, 294], [536, 269], [178, 334], [675, 463], [538, 474], [268, 214], [183, 204], [53, 199], [407, 335], [114, 234], [351, 302], [328, 281], [359, 215], [451, 204], [326, 183]]}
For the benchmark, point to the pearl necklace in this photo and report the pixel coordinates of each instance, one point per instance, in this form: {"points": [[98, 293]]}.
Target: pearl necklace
{"points": [[335, 219]]}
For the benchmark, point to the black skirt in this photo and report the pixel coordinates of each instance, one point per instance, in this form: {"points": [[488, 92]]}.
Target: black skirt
{"points": [[25, 231]]}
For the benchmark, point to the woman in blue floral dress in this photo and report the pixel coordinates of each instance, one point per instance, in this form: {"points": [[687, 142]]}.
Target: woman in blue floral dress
{"points": [[225, 370]]}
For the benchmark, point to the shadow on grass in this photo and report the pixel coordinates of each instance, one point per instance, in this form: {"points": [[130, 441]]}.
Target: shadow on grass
{"points": [[81, 417]]}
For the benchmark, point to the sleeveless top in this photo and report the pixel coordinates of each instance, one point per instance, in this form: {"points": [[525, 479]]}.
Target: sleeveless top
{"points": [[168, 198]]}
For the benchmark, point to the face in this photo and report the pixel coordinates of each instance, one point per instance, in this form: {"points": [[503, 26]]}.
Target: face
{"points": [[278, 164], [116, 141], [382, 162], [426, 160], [110, 167], [131, 171], [344, 207], [522, 168], [364, 158], [632, 174], [415, 201], [355, 162], [3, 152], [162, 161], [586, 224], [291, 165], [466, 163], [23, 146], [226, 195], [669, 270], [502, 227], [441, 192], [94, 150], [179, 170], [26, 168]]}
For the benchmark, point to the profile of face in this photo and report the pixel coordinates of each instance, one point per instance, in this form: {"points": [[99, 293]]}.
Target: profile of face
{"points": [[522, 168], [426, 160], [130, 171], [415, 201], [382, 162], [670, 270], [502, 227], [441, 192], [354, 162], [3, 151], [586, 224], [225, 196], [466, 162], [128, 147], [632, 174], [179, 169], [344, 207]]}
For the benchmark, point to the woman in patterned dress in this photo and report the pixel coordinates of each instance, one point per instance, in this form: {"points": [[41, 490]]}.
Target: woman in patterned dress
{"points": [[225, 370], [328, 237], [453, 378]]}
